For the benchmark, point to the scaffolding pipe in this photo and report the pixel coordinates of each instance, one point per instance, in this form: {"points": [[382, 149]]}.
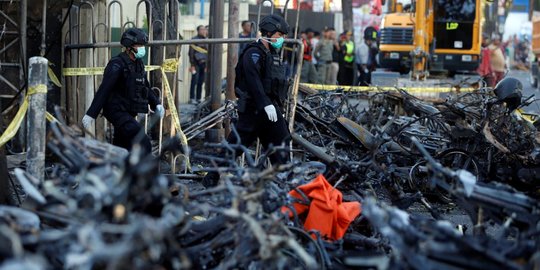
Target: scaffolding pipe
{"points": [[21, 135], [44, 29], [174, 42], [202, 9], [22, 37]]}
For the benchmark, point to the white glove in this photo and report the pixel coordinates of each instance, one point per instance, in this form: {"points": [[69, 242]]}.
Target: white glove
{"points": [[87, 122], [160, 110], [271, 112]]}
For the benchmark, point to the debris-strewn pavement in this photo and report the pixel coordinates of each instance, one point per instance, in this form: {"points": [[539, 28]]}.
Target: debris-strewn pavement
{"points": [[445, 184]]}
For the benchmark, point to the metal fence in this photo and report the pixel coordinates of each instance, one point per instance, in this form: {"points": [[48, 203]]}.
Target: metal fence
{"points": [[89, 43]]}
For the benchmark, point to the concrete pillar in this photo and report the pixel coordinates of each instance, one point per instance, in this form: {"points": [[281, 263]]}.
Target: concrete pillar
{"points": [[36, 122]]}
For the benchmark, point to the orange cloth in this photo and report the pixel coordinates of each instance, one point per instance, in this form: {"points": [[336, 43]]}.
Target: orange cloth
{"points": [[326, 213]]}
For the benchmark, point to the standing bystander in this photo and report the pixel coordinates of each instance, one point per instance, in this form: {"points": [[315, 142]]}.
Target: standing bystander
{"points": [[246, 33], [498, 64], [484, 69], [198, 56]]}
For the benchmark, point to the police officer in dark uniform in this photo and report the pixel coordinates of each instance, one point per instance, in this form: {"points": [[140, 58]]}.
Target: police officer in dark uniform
{"points": [[125, 92], [261, 87]]}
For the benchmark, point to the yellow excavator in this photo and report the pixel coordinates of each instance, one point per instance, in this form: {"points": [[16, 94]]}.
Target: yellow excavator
{"points": [[431, 35]]}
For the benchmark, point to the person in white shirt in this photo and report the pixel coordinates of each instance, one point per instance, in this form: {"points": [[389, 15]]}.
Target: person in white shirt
{"points": [[362, 58], [366, 56], [314, 41]]}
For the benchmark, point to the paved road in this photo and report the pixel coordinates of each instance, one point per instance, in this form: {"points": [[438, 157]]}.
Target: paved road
{"points": [[528, 90]]}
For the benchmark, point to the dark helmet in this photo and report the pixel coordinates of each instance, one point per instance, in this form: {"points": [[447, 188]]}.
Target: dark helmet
{"points": [[509, 90], [134, 36], [370, 33], [273, 23]]}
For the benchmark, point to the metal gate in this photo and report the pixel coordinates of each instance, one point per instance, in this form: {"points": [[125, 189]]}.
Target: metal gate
{"points": [[89, 43]]}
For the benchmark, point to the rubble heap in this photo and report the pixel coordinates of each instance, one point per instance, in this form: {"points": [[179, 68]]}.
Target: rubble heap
{"points": [[442, 184]]}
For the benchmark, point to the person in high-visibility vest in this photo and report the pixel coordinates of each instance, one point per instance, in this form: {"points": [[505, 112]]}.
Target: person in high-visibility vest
{"points": [[346, 68]]}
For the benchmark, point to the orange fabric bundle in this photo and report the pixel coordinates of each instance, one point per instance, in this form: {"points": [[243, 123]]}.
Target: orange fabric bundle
{"points": [[326, 213]]}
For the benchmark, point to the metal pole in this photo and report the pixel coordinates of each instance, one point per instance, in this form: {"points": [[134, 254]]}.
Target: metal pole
{"points": [[495, 13], [294, 94], [202, 9], [174, 42], [44, 29], [37, 92], [232, 55], [22, 32], [21, 135], [4, 174], [420, 41], [232, 49], [215, 68], [260, 10]]}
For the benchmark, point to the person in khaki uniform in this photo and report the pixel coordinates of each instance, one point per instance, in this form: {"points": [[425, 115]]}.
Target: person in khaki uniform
{"points": [[336, 55], [323, 53], [498, 63]]}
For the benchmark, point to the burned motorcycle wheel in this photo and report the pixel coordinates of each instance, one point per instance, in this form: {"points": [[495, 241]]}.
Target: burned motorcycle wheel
{"points": [[419, 175], [310, 245]]}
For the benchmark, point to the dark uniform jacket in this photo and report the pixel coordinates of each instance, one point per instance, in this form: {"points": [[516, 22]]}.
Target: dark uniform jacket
{"points": [[253, 74], [196, 56], [243, 46], [109, 96]]}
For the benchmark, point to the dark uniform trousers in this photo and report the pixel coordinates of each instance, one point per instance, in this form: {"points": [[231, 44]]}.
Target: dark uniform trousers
{"points": [[120, 96], [252, 125], [197, 80], [365, 78], [130, 133]]}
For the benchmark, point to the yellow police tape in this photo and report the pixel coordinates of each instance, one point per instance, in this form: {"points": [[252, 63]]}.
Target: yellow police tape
{"points": [[172, 107], [90, 71], [529, 117], [15, 124], [85, 71], [199, 49], [169, 65], [50, 117], [326, 87], [53, 77]]}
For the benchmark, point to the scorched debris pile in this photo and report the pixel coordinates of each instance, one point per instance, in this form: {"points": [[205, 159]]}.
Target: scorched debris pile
{"points": [[384, 180]]}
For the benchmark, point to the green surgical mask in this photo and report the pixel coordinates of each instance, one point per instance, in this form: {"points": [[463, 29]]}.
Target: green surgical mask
{"points": [[277, 44], [141, 52]]}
